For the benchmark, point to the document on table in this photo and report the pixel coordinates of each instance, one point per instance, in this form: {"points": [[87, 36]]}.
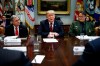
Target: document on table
{"points": [[78, 50], [50, 40], [38, 59], [85, 37], [23, 48], [11, 37]]}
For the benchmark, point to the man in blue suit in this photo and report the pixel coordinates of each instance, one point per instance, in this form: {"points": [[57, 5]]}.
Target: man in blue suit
{"points": [[16, 29], [91, 54], [51, 27], [13, 58]]}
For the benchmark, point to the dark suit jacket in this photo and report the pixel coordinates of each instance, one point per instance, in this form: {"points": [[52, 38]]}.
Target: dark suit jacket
{"points": [[91, 54], [13, 58], [23, 32], [44, 28]]}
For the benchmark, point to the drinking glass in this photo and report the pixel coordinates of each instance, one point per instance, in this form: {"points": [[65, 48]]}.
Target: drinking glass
{"points": [[39, 39], [81, 39], [36, 46]]}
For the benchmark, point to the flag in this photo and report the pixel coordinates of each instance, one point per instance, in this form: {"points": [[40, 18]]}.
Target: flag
{"points": [[29, 13], [29, 2], [89, 8], [79, 8], [19, 5], [97, 10], [19, 10], [1, 11]]}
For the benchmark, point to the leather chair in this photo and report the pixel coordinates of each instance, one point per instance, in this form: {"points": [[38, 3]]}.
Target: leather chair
{"points": [[97, 31]]}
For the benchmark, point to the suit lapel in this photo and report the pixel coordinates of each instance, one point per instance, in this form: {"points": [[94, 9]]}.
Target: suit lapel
{"points": [[47, 25], [20, 29], [12, 29]]}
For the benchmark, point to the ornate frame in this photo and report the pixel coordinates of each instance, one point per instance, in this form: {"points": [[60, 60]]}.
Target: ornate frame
{"points": [[59, 6]]}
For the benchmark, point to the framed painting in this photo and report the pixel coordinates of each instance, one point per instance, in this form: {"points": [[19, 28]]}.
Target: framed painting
{"points": [[59, 6]]}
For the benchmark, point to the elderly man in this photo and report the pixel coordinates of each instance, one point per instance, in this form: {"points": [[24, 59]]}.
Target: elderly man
{"points": [[81, 26], [16, 29], [51, 27]]}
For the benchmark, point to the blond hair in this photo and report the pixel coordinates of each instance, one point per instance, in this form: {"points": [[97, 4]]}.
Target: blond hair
{"points": [[50, 11]]}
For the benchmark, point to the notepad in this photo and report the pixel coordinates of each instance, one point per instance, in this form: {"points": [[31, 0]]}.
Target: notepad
{"points": [[50, 40], [23, 48], [38, 59]]}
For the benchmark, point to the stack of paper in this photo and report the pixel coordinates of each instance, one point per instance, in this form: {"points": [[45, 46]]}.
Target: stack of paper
{"points": [[38, 59], [12, 40]]}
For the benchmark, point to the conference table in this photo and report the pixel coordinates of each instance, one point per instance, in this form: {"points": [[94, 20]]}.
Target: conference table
{"points": [[56, 53]]}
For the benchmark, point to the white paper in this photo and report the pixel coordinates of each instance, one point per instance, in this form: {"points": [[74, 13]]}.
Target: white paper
{"points": [[23, 48], [38, 59], [50, 40], [23, 38], [78, 50], [11, 37], [85, 37], [12, 40]]}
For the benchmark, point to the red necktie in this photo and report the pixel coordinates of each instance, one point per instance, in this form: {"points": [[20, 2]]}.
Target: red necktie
{"points": [[51, 27], [16, 31]]}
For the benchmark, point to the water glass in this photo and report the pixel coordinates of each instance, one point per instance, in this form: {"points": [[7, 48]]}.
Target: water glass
{"points": [[39, 39], [36, 46]]}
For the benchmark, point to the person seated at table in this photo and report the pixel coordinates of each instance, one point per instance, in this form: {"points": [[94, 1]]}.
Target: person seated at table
{"points": [[97, 27], [16, 29], [2, 30], [88, 19], [91, 54], [13, 58], [51, 27], [5, 22], [81, 26]]}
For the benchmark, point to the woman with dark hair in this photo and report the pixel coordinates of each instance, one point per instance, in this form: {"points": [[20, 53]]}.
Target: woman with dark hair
{"points": [[88, 19]]}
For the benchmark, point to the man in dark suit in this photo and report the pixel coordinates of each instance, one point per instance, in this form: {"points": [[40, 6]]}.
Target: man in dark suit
{"points": [[91, 54], [16, 28], [13, 58], [51, 27]]}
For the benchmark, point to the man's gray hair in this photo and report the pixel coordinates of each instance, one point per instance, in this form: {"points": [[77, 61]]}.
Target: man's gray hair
{"points": [[13, 16]]}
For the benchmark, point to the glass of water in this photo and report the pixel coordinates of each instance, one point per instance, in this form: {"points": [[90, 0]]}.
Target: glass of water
{"points": [[39, 39], [82, 39], [82, 36], [36, 46]]}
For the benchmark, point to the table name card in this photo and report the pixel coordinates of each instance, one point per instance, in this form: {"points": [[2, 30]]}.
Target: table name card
{"points": [[78, 50]]}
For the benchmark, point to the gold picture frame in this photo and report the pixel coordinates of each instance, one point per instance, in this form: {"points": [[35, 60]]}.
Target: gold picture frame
{"points": [[59, 6]]}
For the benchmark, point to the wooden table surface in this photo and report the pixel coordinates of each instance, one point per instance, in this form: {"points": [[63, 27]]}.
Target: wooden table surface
{"points": [[57, 54]]}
